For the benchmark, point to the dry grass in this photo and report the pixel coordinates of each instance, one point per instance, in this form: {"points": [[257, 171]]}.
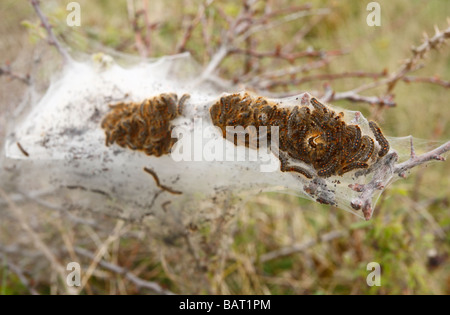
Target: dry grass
{"points": [[329, 248]]}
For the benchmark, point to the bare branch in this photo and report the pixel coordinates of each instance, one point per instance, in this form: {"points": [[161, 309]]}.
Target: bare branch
{"points": [[431, 80], [140, 283], [188, 33], [142, 43], [277, 53], [354, 97], [36, 239], [246, 24], [328, 77], [384, 171], [264, 80], [434, 155], [52, 40], [20, 274], [301, 247], [6, 71], [418, 53], [409, 65]]}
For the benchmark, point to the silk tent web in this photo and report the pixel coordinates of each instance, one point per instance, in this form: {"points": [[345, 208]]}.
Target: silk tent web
{"points": [[56, 147]]}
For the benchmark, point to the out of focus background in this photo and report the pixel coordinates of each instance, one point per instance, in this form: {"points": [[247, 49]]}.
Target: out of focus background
{"points": [[277, 243]]}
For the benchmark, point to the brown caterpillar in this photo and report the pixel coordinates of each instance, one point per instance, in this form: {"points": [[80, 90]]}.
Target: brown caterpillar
{"points": [[144, 126], [318, 137], [382, 141]]}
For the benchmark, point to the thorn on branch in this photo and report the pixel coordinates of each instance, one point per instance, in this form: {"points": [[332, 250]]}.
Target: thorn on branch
{"points": [[416, 160], [418, 53]]}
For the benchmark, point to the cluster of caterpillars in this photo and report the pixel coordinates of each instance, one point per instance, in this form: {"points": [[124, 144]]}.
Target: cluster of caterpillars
{"points": [[318, 137], [144, 126], [315, 135]]}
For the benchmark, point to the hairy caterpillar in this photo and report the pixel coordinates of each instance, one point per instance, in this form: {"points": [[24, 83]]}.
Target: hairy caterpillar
{"points": [[144, 126], [318, 137]]}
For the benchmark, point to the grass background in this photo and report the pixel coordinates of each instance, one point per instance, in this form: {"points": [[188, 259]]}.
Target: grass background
{"points": [[409, 233]]}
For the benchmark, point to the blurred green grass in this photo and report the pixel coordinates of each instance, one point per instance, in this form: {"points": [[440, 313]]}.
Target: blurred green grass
{"points": [[412, 216]]}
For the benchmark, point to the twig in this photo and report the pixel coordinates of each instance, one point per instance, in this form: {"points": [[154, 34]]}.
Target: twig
{"points": [[271, 14], [354, 97], [6, 70], [384, 170], [52, 40], [415, 160], [418, 53], [400, 75], [140, 283], [207, 25], [382, 175], [245, 25], [326, 76], [265, 79], [38, 242], [148, 27], [431, 80], [277, 53], [101, 251], [301, 247], [142, 35], [18, 271], [155, 177], [63, 210], [19, 197], [188, 33], [288, 18]]}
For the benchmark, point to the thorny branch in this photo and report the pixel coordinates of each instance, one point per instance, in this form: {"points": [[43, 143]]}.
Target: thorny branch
{"points": [[52, 40], [386, 169], [250, 22], [418, 53], [241, 29], [391, 81], [246, 24], [415, 160]]}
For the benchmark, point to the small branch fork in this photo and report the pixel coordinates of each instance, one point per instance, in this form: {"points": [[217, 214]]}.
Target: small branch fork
{"points": [[416, 160], [386, 169], [52, 40], [418, 53], [6, 71], [250, 21], [409, 65]]}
